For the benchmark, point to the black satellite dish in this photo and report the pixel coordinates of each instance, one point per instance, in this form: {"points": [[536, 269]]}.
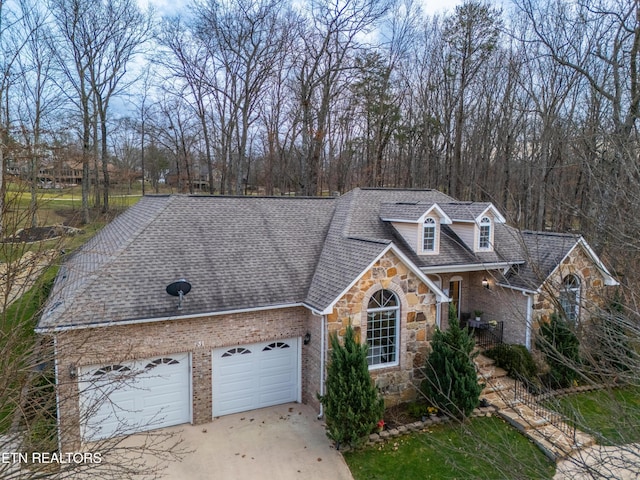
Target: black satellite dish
{"points": [[179, 289]]}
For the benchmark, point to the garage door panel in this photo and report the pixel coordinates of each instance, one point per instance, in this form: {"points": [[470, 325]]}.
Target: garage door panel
{"points": [[270, 370], [135, 396]]}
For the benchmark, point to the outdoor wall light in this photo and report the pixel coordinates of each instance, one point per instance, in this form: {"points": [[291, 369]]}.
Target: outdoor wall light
{"points": [[73, 371], [307, 338], [485, 283]]}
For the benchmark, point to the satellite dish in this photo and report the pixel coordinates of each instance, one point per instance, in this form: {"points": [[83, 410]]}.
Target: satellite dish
{"points": [[179, 289]]}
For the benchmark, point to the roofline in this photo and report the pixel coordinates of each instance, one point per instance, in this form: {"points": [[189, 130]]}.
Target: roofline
{"points": [[498, 216], [444, 218], [64, 328], [520, 289], [608, 278], [468, 267], [440, 296]]}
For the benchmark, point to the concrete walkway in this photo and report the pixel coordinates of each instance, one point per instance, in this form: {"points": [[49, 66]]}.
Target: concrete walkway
{"points": [[285, 442], [621, 462]]}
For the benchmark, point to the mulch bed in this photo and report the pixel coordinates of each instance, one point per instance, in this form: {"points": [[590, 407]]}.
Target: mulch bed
{"points": [[399, 415]]}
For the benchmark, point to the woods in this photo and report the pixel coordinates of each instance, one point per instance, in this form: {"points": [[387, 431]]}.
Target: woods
{"points": [[533, 107]]}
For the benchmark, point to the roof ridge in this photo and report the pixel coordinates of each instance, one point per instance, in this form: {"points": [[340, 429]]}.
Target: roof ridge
{"points": [[57, 298], [551, 234], [348, 217]]}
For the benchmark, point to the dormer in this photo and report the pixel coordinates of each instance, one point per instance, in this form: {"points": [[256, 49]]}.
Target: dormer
{"points": [[475, 224], [418, 223]]}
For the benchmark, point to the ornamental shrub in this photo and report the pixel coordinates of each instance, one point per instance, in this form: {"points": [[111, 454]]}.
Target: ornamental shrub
{"points": [[451, 382], [561, 347], [516, 360], [352, 405]]}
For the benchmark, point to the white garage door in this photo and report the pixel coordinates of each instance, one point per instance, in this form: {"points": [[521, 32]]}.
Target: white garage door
{"points": [[255, 376], [136, 396]]}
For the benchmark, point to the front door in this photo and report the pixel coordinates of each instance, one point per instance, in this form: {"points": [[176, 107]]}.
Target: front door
{"points": [[455, 292]]}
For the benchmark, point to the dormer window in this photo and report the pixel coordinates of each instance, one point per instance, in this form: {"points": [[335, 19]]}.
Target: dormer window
{"points": [[429, 235], [484, 238]]}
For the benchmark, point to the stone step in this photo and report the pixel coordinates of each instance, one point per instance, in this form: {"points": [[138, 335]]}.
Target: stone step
{"points": [[557, 443], [492, 387], [498, 399], [486, 373], [481, 361], [525, 417]]}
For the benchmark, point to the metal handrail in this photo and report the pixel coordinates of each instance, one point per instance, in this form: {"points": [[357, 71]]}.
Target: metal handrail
{"points": [[523, 394]]}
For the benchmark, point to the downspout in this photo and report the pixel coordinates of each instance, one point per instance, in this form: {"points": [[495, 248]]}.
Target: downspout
{"points": [[529, 320], [322, 360]]}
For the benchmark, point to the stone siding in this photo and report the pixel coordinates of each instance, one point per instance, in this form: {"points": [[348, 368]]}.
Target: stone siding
{"points": [[593, 291], [417, 323], [197, 336]]}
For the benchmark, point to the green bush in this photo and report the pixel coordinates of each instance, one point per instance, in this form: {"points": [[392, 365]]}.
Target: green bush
{"points": [[451, 382], [561, 347], [352, 404], [516, 360]]}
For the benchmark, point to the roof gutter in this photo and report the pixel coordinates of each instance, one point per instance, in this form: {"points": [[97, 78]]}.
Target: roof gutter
{"points": [[472, 267], [526, 291], [64, 328]]}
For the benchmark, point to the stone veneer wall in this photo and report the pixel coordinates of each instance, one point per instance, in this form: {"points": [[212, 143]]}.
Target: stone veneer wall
{"points": [[197, 336], [417, 323], [593, 291]]}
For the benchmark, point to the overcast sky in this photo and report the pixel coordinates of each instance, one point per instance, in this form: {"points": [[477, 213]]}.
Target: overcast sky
{"points": [[173, 7]]}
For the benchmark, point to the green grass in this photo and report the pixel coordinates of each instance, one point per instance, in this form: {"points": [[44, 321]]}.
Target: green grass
{"points": [[612, 416], [485, 448]]}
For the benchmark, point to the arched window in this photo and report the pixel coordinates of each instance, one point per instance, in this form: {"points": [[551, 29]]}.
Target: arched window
{"points": [[429, 235], [383, 322], [570, 297], [484, 239]]}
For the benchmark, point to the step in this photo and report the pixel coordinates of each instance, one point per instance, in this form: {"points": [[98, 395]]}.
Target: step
{"points": [[546, 443], [481, 361], [491, 371], [525, 417], [493, 387], [497, 399]]}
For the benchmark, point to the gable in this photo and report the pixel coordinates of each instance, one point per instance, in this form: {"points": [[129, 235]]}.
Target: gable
{"points": [[545, 254]]}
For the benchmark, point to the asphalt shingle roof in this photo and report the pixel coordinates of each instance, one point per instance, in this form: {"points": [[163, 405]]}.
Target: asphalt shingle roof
{"points": [[543, 252], [235, 252], [258, 252]]}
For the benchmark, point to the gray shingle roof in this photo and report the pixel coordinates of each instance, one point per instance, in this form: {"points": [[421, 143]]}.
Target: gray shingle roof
{"points": [[405, 211], [259, 252], [543, 252], [464, 211], [235, 251]]}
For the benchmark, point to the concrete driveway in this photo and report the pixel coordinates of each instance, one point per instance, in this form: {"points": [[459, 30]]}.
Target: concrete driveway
{"points": [[283, 442]]}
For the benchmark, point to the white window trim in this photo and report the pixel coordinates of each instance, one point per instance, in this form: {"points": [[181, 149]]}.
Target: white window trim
{"points": [[577, 291], [436, 237], [479, 225], [396, 362]]}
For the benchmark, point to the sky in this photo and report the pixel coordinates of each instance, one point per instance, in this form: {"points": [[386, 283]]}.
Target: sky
{"points": [[173, 7]]}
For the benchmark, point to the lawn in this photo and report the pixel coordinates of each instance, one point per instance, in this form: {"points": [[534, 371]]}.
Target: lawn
{"points": [[612, 416], [485, 448]]}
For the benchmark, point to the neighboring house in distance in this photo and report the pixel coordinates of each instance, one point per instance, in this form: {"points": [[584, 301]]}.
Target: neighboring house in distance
{"points": [[270, 279]]}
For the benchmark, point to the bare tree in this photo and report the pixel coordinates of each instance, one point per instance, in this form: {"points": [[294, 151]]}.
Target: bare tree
{"points": [[39, 95], [96, 42], [327, 47], [472, 35]]}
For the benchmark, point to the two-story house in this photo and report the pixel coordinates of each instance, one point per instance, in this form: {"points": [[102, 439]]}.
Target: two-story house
{"points": [[225, 304]]}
